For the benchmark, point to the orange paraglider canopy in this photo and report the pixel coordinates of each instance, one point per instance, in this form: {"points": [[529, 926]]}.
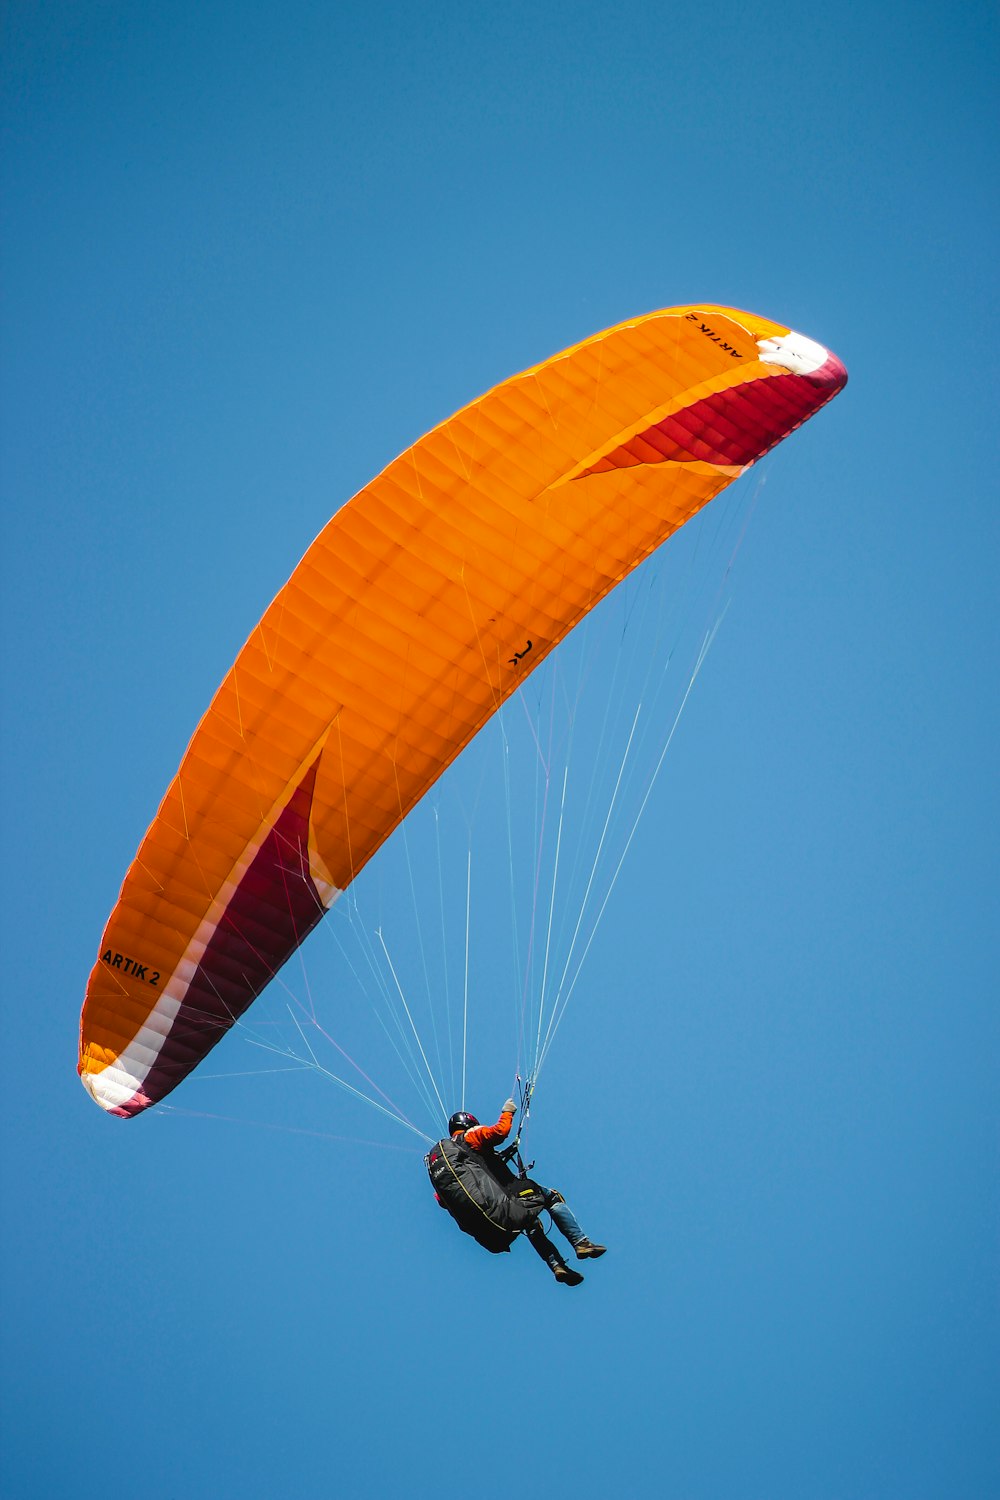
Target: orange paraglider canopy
{"points": [[416, 612]]}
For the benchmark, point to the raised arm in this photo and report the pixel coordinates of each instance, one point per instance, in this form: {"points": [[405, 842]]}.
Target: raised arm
{"points": [[481, 1136]]}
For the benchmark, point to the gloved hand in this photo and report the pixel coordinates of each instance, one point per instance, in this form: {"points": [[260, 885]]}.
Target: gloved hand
{"points": [[510, 1108]]}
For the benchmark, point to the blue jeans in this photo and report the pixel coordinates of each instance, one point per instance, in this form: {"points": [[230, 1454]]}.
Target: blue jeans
{"points": [[565, 1221]]}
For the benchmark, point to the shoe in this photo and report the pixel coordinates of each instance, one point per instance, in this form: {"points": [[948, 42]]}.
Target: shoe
{"points": [[587, 1250], [567, 1277]]}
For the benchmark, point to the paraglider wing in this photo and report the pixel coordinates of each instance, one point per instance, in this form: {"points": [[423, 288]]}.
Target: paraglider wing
{"points": [[416, 612]]}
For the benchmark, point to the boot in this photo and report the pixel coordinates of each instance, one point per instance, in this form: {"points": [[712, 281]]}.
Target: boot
{"points": [[587, 1250], [565, 1276]]}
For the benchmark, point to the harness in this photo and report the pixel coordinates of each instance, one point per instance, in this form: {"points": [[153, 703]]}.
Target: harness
{"points": [[494, 1209]]}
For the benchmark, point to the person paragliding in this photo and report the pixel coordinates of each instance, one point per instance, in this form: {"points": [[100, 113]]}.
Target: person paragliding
{"points": [[475, 1183]]}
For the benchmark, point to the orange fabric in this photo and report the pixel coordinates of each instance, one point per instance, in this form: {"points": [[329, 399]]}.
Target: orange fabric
{"points": [[415, 614], [482, 1136]]}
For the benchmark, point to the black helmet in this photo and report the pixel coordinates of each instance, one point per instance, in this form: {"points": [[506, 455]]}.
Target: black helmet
{"points": [[461, 1121]]}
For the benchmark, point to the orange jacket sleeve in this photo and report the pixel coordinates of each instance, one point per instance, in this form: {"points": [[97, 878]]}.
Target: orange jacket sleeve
{"points": [[481, 1136]]}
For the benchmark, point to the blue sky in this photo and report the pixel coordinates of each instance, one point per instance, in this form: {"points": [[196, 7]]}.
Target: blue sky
{"points": [[250, 253]]}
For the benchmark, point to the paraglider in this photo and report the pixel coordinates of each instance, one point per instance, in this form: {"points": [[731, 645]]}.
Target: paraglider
{"points": [[420, 608], [475, 1183]]}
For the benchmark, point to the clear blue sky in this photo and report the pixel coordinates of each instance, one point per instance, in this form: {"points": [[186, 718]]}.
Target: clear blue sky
{"points": [[249, 254]]}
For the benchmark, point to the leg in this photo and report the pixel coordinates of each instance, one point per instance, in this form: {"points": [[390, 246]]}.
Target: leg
{"points": [[543, 1246], [567, 1223], [565, 1219]]}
